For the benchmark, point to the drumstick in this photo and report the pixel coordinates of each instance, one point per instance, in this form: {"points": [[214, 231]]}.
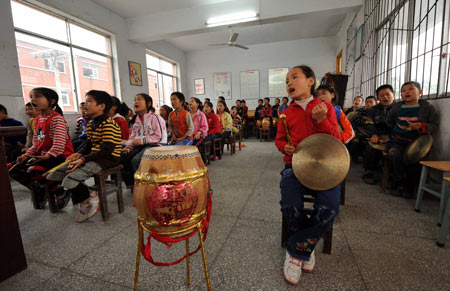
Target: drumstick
{"points": [[283, 118], [57, 167]]}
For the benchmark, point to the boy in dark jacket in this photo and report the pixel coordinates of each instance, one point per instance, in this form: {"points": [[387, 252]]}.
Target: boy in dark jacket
{"points": [[409, 119], [13, 144]]}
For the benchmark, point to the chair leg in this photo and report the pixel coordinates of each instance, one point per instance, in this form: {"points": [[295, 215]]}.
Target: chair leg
{"points": [[444, 198], [443, 232], [328, 241], [138, 258], [100, 182], [205, 265], [118, 180], [343, 193], [423, 179]]}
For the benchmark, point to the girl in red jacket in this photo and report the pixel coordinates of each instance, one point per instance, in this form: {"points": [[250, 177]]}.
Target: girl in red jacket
{"points": [[305, 116], [119, 119], [51, 146]]}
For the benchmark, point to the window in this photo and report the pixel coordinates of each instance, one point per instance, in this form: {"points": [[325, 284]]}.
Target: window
{"points": [[406, 40], [57, 53], [90, 70], [162, 80]]}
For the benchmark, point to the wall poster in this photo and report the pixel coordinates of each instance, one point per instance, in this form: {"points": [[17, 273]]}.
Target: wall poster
{"points": [[199, 86], [222, 85], [135, 73], [277, 82], [250, 85]]}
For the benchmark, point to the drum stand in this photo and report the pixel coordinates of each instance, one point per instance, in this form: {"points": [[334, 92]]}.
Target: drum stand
{"points": [[198, 225]]}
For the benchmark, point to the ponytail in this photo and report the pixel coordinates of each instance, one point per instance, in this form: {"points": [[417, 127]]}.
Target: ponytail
{"points": [[58, 109]]}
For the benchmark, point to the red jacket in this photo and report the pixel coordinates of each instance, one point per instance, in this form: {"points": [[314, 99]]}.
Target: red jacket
{"points": [[266, 111], [301, 125], [213, 123]]}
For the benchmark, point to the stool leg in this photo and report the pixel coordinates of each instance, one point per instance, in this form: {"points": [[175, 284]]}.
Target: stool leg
{"points": [[205, 265], [138, 258], [423, 179], [118, 180], [328, 241], [443, 232], [343, 193], [444, 198], [188, 279], [100, 182]]}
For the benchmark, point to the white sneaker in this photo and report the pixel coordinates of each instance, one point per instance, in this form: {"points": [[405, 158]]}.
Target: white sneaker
{"points": [[308, 266], [292, 269], [86, 212], [94, 199]]}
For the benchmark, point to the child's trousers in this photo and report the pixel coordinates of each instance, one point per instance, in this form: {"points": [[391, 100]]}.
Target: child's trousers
{"points": [[74, 180], [304, 232]]}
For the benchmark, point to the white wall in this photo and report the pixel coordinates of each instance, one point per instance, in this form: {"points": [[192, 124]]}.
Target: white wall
{"points": [[319, 53]]}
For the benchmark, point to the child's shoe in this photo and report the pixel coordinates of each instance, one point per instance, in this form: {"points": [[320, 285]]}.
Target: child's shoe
{"points": [[63, 200], [308, 266], [86, 212], [94, 198], [292, 269]]}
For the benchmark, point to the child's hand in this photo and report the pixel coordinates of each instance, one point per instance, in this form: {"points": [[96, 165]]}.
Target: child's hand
{"points": [[22, 158], [197, 135], [24, 150], [289, 149], [136, 142], [374, 138], [319, 112], [414, 125], [73, 157], [73, 165], [126, 150]]}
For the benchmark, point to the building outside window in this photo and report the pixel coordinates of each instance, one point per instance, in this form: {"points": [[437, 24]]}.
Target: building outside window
{"points": [[60, 54], [162, 79]]}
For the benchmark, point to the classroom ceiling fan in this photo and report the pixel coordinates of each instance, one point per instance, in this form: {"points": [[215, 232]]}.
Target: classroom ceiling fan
{"points": [[231, 42]]}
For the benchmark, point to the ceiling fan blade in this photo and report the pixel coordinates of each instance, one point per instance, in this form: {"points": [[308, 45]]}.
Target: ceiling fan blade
{"points": [[234, 37], [240, 46], [217, 44]]}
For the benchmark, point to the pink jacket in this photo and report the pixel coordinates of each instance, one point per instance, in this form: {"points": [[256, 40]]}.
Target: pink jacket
{"points": [[149, 130], [200, 123]]}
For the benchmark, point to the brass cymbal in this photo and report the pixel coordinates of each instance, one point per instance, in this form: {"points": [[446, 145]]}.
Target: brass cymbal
{"points": [[352, 116], [321, 162], [382, 145], [418, 149]]}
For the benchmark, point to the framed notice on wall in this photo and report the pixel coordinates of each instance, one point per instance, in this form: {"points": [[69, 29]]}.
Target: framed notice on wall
{"points": [[199, 86], [135, 73], [277, 82], [222, 85], [249, 84]]}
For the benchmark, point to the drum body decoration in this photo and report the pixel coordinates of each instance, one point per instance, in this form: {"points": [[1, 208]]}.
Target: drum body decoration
{"points": [[258, 123], [266, 123], [171, 189]]}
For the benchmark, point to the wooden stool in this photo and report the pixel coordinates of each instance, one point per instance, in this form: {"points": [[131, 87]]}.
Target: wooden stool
{"points": [[327, 236], [443, 166], [231, 144], [446, 219], [205, 150], [265, 132], [384, 172], [104, 187], [239, 137], [217, 148]]}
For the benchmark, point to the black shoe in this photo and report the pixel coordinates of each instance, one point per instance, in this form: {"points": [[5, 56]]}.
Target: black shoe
{"points": [[40, 200], [63, 200]]}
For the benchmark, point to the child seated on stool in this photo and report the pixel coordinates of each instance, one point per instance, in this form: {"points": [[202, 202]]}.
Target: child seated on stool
{"points": [[408, 119], [114, 113], [31, 112], [237, 120], [80, 130], [225, 121], [305, 116], [100, 151], [180, 121], [147, 131], [199, 120], [51, 146]]}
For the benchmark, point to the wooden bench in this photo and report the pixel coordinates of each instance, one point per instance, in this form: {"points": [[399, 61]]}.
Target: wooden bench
{"points": [[231, 144], [444, 167], [105, 187]]}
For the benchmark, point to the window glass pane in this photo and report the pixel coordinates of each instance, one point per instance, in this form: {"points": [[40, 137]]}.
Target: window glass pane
{"points": [[36, 21], [167, 67], [44, 63], [168, 88], [92, 72], [153, 87], [153, 63], [83, 37]]}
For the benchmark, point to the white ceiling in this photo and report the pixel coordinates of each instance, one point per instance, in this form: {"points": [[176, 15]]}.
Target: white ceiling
{"points": [[132, 8], [308, 26]]}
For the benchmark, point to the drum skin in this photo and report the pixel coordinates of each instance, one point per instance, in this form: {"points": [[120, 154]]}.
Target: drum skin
{"points": [[171, 189]]}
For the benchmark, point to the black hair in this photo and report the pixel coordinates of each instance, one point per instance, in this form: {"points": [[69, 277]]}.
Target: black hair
{"points": [[116, 102], [309, 73], [124, 109], [277, 99], [101, 97], [416, 84], [27, 105], [200, 105], [243, 101], [232, 107], [371, 97], [167, 108], [50, 95], [210, 105], [3, 108], [267, 98], [332, 90], [221, 102], [385, 86], [180, 97], [221, 98], [82, 103], [148, 102], [207, 99], [260, 100], [286, 98], [238, 100]]}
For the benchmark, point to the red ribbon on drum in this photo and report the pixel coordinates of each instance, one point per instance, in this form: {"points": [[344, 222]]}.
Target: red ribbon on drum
{"points": [[168, 241]]}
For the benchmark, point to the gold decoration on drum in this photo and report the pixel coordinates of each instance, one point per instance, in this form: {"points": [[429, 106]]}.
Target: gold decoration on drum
{"points": [[166, 178], [321, 162]]}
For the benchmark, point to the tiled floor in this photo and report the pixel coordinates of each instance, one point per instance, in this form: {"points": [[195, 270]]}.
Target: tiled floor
{"points": [[379, 242]]}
